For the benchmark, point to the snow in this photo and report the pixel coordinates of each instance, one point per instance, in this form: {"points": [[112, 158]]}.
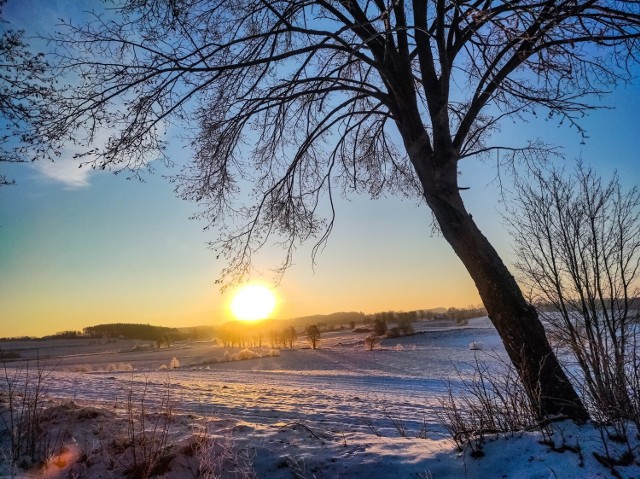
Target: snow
{"points": [[337, 412]]}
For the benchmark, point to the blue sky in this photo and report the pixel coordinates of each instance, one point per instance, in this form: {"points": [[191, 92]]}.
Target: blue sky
{"points": [[79, 247]]}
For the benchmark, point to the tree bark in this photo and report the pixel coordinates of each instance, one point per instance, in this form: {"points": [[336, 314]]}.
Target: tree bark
{"points": [[516, 321]]}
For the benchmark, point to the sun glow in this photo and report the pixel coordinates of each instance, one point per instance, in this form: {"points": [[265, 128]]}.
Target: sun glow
{"points": [[253, 302]]}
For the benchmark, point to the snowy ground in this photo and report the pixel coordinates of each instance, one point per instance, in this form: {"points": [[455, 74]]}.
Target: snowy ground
{"points": [[336, 412]]}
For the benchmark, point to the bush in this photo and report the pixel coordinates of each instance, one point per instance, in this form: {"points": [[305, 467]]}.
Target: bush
{"points": [[393, 332], [371, 341], [246, 354], [380, 326], [404, 321]]}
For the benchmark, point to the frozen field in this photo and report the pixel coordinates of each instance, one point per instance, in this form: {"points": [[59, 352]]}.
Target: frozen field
{"points": [[341, 384], [339, 411]]}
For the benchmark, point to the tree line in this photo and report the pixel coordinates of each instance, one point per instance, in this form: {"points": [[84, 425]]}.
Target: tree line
{"points": [[132, 331]]}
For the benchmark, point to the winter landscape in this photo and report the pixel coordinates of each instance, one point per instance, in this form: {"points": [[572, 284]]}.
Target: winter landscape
{"points": [[316, 156], [339, 411]]}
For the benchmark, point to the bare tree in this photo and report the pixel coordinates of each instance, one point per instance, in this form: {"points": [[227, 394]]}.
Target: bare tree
{"points": [[313, 335], [303, 98], [578, 247], [290, 336]]}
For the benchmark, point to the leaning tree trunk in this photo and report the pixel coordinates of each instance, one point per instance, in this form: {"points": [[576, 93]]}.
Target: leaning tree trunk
{"points": [[516, 320]]}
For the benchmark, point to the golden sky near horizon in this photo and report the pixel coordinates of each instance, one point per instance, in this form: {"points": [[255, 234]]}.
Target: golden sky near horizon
{"points": [[70, 265]]}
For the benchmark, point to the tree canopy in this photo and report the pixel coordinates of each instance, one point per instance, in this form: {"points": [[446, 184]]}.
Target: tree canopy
{"points": [[24, 83], [303, 99]]}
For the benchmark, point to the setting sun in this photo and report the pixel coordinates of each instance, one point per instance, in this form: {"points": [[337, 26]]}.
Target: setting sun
{"points": [[253, 302]]}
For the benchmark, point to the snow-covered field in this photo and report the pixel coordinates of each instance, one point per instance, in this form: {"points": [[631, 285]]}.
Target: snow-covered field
{"points": [[337, 412]]}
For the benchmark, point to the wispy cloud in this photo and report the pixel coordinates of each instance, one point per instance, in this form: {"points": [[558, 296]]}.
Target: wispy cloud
{"points": [[65, 170]]}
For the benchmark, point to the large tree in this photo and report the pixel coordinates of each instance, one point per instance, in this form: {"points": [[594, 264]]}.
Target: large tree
{"points": [[303, 98]]}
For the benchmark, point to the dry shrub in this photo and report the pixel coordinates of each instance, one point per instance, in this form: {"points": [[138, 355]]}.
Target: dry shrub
{"points": [[246, 354], [489, 402], [221, 458], [147, 434], [22, 414]]}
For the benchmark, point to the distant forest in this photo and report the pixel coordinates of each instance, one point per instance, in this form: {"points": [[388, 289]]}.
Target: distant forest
{"points": [[145, 332], [129, 331]]}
